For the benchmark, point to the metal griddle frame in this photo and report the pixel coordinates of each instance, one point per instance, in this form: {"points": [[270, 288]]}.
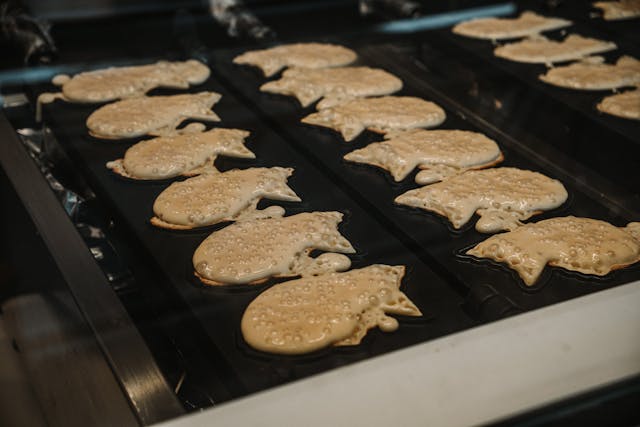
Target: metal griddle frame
{"points": [[123, 348]]}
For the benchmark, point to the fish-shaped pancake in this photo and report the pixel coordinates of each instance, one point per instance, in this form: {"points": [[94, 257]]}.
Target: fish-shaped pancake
{"points": [[114, 83], [300, 55], [625, 105], [185, 154], [542, 50], [585, 245], [527, 24], [621, 9], [334, 85], [502, 197], [384, 114], [439, 153], [593, 74], [250, 252], [217, 197], [151, 115], [335, 309]]}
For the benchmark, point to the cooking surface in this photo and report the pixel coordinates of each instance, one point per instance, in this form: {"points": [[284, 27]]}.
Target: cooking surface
{"points": [[219, 310], [429, 235], [539, 127], [452, 290]]}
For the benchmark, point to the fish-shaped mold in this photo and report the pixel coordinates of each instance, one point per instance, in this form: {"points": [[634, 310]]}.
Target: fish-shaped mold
{"points": [[502, 197], [186, 154], [593, 74], [541, 50], [585, 245], [151, 115], [334, 85], [217, 197], [114, 83], [438, 153], [382, 115], [335, 309], [527, 24], [250, 252], [300, 55]]}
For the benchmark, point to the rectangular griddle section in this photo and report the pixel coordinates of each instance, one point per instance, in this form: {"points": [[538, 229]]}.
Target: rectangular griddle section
{"points": [[218, 310], [492, 290]]}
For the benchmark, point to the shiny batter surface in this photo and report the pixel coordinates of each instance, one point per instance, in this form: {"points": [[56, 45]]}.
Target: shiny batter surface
{"points": [[153, 115], [502, 197], [229, 196], [527, 24], [593, 74], [185, 154], [622, 9], [334, 85], [585, 245], [384, 114], [126, 82], [439, 153], [301, 55], [541, 50], [625, 105], [304, 315], [250, 251]]}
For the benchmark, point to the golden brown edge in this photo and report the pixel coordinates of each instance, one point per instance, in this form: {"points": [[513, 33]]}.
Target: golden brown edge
{"points": [[169, 226], [119, 170], [210, 282]]}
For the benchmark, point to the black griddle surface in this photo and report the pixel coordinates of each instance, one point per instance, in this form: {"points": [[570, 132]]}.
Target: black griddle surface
{"points": [[219, 310], [454, 291], [508, 91], [428, 235]]}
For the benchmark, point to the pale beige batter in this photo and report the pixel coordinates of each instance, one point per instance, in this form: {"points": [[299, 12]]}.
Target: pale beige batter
{"points": [[249, 252], [384, 114], [439, 153], [585, 245], [46, 98], [593, 74], [301, 55], [615, 10], [502, 197], [305, 315], [217, 197], [541, 50], [334, 85], [187, 154], [625, 105], [125, 82], [527, 24], [152, 115]]}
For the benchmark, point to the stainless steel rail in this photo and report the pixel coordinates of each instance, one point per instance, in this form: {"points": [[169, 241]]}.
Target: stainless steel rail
{"points": [[124, 349]]}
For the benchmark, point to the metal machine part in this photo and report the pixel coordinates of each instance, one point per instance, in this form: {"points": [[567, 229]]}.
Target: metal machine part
{"points": [[31, 35], [238, 19]]}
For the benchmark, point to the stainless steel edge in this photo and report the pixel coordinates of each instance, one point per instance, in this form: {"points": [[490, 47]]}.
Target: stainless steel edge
{"points": [[149, 395]]}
